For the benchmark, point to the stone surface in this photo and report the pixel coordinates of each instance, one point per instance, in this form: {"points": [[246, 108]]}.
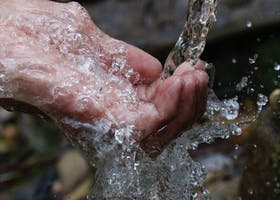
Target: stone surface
{"points": [[150, 23], [261, 177]]}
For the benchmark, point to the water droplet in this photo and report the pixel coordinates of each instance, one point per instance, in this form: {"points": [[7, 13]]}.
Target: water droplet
{"points": [[250, 191], [206, 194], [195, 196], [237, 131], [236, 146], [262, 101], [242, 84], [249, 24], [194, 145], [207, 139], [277, 67], [225, 136], [267, 183], [253, 59]]}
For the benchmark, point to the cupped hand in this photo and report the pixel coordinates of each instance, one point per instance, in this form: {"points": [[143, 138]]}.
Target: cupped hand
{"points": [[54, 58]]}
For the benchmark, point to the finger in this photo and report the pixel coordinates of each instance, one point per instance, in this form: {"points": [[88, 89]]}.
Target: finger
{"points": [[199, 72], [187, 67], [200, 65], [166, 103], [192, 105], [146, 65], [201, 92], [184, 68]]}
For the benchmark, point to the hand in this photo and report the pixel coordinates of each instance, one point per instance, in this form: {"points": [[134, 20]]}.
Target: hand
{"points": [[55, 59]]}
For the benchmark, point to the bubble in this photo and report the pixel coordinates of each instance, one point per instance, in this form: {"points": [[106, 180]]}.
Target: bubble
{"points": [[237, 131]]}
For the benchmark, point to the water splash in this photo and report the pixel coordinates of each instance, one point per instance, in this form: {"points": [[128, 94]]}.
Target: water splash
{"points": [[261, 102], [128, 173], [124, 171], [242, 84]]}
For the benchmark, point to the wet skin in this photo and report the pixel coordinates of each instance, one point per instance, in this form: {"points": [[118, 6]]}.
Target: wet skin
{"points": [[55, 59]]}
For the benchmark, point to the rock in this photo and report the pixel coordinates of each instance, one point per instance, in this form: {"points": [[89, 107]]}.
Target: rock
{"points": [[153, 24], [71, 168], [5, 115], [261, 178], [274, 100]]}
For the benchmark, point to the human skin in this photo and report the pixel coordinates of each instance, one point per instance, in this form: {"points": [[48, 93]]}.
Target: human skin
{"points": [[56, 60]]}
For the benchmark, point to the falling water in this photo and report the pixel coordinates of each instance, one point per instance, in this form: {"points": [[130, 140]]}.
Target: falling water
{"points": [[124, 171], [192, 40]]}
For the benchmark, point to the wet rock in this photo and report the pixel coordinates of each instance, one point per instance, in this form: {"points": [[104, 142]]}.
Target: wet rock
{"points": [[274, 99], [4, 196], [236, 3], [8, 136], [5, 115], [162, 21], [261, 178], [81, 191], [72, 167]]}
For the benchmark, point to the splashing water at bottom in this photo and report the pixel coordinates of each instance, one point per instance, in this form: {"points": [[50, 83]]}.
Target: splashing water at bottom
{"points": [[125, 171]]}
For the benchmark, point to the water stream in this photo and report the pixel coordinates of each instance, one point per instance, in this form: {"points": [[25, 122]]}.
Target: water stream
{"points": [[124, 171]]}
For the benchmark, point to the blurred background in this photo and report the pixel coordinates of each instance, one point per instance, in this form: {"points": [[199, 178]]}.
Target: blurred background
{"points": [[36, 161]]}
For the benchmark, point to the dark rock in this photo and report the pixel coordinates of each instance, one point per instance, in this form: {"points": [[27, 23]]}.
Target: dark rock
{"points": [[153, 24], [261, 178]]}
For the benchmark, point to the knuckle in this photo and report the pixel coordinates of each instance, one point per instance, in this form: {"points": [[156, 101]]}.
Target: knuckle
{"points": [[78, 9], [202, 77]]}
